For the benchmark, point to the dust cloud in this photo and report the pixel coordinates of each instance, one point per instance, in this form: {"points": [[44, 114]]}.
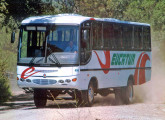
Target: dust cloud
{"points": [[154, 90]]}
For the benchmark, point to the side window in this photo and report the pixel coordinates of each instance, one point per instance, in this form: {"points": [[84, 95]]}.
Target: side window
{"points": [[146, 38], [85, 39], [97, 36], [85, 45], [24, 44], [138, 44], [118, 36], [127, 37], [108, 36]]}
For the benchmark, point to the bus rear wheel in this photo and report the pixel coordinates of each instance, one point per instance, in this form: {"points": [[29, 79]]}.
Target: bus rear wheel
{"points": [[40, 98], [118, 96], [124, 95], [128, 93]]}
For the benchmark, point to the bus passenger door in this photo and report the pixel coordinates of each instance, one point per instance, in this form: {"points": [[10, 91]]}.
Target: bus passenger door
{"points": [[85, 45]]}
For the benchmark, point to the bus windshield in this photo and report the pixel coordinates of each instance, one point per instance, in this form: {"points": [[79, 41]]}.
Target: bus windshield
{"points": [[48, 45]]}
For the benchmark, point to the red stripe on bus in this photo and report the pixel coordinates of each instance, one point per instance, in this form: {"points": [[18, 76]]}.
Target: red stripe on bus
{"points": [[136, 71], [142, 71], [107, 63]]}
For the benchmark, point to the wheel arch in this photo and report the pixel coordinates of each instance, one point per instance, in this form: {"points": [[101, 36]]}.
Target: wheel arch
{"points": [[131, 78], [95, 82]]}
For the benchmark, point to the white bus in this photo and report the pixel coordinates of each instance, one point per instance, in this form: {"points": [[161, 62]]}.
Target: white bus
{"points": [[82, 56]]}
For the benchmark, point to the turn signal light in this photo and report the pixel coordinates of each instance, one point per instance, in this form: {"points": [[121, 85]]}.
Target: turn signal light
{"points": [[74, 80]]}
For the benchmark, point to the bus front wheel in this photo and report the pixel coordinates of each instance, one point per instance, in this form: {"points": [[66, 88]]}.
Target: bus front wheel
{"points": [[40, 98], [87, 96]]}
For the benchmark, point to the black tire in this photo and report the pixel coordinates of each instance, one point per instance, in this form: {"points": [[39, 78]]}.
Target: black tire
{"points": [[118, 96], [78, 98], [90, 94], [128, 93], [124, 95], [87, 96], [40, 98]]}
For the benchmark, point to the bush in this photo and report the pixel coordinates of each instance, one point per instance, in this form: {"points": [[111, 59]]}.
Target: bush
{"points": [[4, 82], [4, 88]]}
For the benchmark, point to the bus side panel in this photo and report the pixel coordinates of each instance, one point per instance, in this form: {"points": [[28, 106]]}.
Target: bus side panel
{"points": [[113, 69]]}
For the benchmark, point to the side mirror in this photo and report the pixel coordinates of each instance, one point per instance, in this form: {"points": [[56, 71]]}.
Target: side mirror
{"points": [[12, 37], [85, 35]]}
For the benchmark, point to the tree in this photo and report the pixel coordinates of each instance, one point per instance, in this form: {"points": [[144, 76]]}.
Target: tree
{"points": [[158, 16], [2, 10], [18, 10], [147, 11], [117, 8]]}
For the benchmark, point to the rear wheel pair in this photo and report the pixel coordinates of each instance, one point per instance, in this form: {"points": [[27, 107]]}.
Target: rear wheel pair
{"points": [[124, 95]]}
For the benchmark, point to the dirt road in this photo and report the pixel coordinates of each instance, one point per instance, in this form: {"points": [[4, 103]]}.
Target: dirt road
{"points": [[22, 108]]}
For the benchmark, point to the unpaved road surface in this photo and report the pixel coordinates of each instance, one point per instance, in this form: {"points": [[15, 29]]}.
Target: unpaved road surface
{"points": [[22, 108]]}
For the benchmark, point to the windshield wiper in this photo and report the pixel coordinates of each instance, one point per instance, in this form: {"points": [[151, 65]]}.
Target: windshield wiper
{"points": [[33, 58], [31, 62], [57, 63]]}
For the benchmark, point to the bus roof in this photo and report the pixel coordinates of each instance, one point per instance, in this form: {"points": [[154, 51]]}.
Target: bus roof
{"points": [[57, 19], [71, 19], [119, 21]]}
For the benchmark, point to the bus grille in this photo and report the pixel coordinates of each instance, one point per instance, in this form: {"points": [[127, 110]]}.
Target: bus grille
{"points": [[44, 81]]}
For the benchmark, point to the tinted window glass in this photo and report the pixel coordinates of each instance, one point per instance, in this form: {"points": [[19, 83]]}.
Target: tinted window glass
{"points": [[108, 35], [138, 37], [118, 36], [146, 38], [97, 36], [127, 37]]}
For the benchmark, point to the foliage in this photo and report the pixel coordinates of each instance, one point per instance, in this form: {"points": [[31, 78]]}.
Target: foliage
{"points": [[8, 50], [18, 10], [159, 16], [4, 82], [64, 6], [2, 9], [94, 8], [147, 11]]}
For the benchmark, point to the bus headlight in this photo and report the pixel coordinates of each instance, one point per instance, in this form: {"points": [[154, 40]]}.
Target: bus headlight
{"points": [[61, 81], [28, 80], [68, 80]]}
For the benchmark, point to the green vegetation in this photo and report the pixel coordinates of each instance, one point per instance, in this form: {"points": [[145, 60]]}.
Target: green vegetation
{"points": [[4, 82], [13, 12]]}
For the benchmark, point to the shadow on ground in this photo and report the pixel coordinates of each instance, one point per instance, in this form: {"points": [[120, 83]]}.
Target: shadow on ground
{"points": [[18, 101], [25, 102]]}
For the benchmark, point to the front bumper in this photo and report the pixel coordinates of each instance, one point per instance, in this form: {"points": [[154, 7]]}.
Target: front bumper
{"points": [[49, 82]]}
